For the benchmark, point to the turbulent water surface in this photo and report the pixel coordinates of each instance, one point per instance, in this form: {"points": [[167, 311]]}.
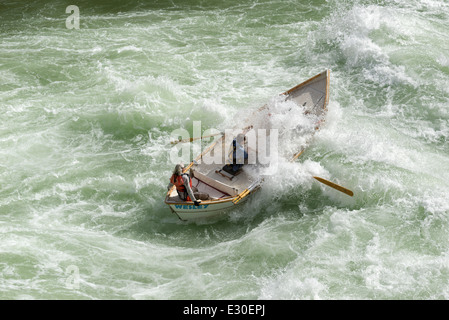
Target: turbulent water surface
{"points": [[87, 115]]}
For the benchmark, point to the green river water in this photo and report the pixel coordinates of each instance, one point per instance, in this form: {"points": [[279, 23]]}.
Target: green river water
{"points": [[85, 124]]}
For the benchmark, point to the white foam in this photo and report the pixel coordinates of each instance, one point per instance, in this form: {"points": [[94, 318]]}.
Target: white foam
{"points": [[129, 48], [443, 60], [353, 32], [288, 286], [436, 203]]}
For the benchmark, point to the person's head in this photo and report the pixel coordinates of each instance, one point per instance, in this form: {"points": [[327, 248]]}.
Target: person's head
{"points": [[240, 138], [178, 169]]}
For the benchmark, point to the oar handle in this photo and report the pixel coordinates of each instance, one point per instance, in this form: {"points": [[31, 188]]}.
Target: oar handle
{"points": [[247, 191]]}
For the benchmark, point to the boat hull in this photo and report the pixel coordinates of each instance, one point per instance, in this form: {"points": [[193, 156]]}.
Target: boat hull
{"points": [[187, 211]]}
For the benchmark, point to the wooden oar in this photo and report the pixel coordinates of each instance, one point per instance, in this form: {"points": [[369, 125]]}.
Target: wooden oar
{"points": [[296, 156], [335, 186], [241, 196], [193, 139], [326, 182]]}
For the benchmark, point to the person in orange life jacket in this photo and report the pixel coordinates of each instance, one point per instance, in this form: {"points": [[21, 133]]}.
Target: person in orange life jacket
{"points": [[184, 187]]}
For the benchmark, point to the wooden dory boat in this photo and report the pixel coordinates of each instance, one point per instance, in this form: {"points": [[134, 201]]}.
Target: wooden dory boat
{"points": [[228, 191]]}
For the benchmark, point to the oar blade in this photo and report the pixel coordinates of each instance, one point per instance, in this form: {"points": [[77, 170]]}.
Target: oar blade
{"points": [[335, 186]]}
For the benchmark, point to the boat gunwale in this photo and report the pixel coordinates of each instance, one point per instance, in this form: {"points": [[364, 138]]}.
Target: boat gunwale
{"points": [[211, 201], [220, 200], [325, 74]]}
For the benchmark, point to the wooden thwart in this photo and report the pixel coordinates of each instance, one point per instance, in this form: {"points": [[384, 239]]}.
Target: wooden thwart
{"points": [[227, 175]]}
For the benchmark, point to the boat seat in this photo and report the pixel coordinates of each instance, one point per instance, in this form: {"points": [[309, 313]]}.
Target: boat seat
{"points": [[216, 184], [228, 174]]}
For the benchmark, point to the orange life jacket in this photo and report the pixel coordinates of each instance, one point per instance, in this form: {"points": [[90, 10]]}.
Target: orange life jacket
{"points": [[178, 181]]}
